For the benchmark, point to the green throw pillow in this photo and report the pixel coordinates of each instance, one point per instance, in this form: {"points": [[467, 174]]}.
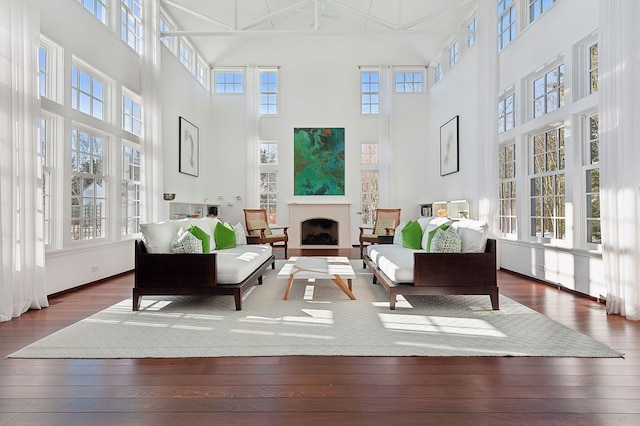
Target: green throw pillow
{"points": [[202, 236], [225, 236], [444, 227], [412, 235]]}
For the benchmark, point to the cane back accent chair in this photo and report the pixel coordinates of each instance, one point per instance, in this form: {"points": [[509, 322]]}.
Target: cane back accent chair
{"points": [[387, 220], [256, 222]]}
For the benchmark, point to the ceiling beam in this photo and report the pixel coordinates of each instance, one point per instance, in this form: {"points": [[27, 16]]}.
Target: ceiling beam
{"points": [[287, 9], [196, 14], [367, 16]]}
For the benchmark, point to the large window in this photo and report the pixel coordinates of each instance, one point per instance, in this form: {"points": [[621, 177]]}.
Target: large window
{"points": [[547, 180], [130, 190], [89, 193], [548, 91], [370, 92], [369, 179], [46, 153], [506, 111], [593, 68], [409, 81], [97, 8], [538, 7], [506, 23], [591, 170], [87, 93], [131, 24], [228, 81], [507, 212], [269, 179], [131, 113], [268, 92]]}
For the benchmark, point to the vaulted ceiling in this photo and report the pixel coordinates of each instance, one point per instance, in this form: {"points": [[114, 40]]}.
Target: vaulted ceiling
{"points": [[433, 22]]}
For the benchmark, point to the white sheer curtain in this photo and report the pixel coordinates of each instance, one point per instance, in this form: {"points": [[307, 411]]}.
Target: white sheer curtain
{"points": [[384, 136], [619, 111], [22, 278], [152, 176], [486, 184], [253, 142]]}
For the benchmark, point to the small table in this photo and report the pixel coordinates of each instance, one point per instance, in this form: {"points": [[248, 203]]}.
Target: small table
{"points": [[334, 268]]}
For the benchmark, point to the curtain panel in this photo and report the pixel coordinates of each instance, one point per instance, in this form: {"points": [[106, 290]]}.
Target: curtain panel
{"points": [[619, 109], [22, 273]]}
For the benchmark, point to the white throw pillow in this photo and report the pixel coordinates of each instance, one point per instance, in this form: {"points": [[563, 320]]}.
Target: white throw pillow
{"points": [[186, 242], [446, 241], [397, 236], [158, 236], [430, 226], [473, 234], [241, 236]]}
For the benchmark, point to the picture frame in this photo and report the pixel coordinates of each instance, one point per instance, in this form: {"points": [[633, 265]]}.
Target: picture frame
{"points": [[449, 146], [189, 148]]}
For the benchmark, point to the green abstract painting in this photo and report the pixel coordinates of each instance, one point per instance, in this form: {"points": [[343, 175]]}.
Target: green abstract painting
{"points": [[318, 163]]}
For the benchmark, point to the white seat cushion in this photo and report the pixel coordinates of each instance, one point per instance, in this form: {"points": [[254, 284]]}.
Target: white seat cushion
{"points": [[394, 260], [237, 263]]}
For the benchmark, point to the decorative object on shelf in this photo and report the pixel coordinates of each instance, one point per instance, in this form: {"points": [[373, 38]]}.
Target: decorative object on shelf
{"points": [[189, 148], [318, 165], [449, 147], [426, 210], [169, 196]]}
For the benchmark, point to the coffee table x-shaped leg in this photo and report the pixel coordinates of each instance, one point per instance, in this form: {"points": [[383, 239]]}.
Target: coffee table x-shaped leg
{"points": [[346, 288]]}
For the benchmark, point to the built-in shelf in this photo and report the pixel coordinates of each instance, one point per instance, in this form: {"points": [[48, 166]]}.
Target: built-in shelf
{"points": [[457, 209], [183, 210]]}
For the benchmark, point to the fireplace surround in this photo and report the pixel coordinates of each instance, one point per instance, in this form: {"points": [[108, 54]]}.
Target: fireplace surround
{"points": [[312, 212]]}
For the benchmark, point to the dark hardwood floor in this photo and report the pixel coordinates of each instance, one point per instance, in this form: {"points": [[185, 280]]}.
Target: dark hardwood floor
{"points": [[323, 390]]}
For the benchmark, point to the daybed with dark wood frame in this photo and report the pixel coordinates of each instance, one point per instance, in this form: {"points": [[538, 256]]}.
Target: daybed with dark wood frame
{"points": [[445, 273], [165, 274]]}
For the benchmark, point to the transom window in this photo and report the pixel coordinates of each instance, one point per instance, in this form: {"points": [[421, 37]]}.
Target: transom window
{"points": [[165, 25], [591, 171], [548, 91], [202, 72], [409, 81], [454, 54], [547, 180], [506, 23], [370, 92], [538, 7], [507, 212], [229, 81], [88, 185], [97, 8], [131, 23], [506, 112], [130, 190], [268, 92], [184, 54], [87, 93], [43, 71], [437, 73], [131, 114], [472, 27]]}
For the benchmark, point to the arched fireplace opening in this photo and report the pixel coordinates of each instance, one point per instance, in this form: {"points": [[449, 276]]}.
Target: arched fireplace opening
{"points": [[319, 232]]}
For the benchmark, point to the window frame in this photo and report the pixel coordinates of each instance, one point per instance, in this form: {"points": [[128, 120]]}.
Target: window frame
{"points": [[131, 24], [542, 174], [506, 9], [94, 10], [135, 100], [507, 191], [557, 91], [454, 53], [269, 92], [503, 105], [104, 217], [409, 74], [202, 72], [533, 15], [591, 70], [369, 92], [228, 72], [106, 90], [187, 60], [589, 165], [127, 183], [472, 26]]}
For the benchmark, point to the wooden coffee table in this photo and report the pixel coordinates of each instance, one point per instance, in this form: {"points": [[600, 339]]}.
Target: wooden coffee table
{"points": [[336, 269]]}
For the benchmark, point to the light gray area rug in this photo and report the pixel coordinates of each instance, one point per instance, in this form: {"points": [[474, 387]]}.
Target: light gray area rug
{"points": [[318, 319]]}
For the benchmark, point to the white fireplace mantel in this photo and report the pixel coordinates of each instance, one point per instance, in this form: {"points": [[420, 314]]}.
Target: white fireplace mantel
{"points": [[299, 212]]}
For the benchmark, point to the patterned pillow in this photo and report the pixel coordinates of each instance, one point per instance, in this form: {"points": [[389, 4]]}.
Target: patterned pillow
{"points": [[256, 225], [241, 236], [186, 242], [383, 224], [446, 241]]}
